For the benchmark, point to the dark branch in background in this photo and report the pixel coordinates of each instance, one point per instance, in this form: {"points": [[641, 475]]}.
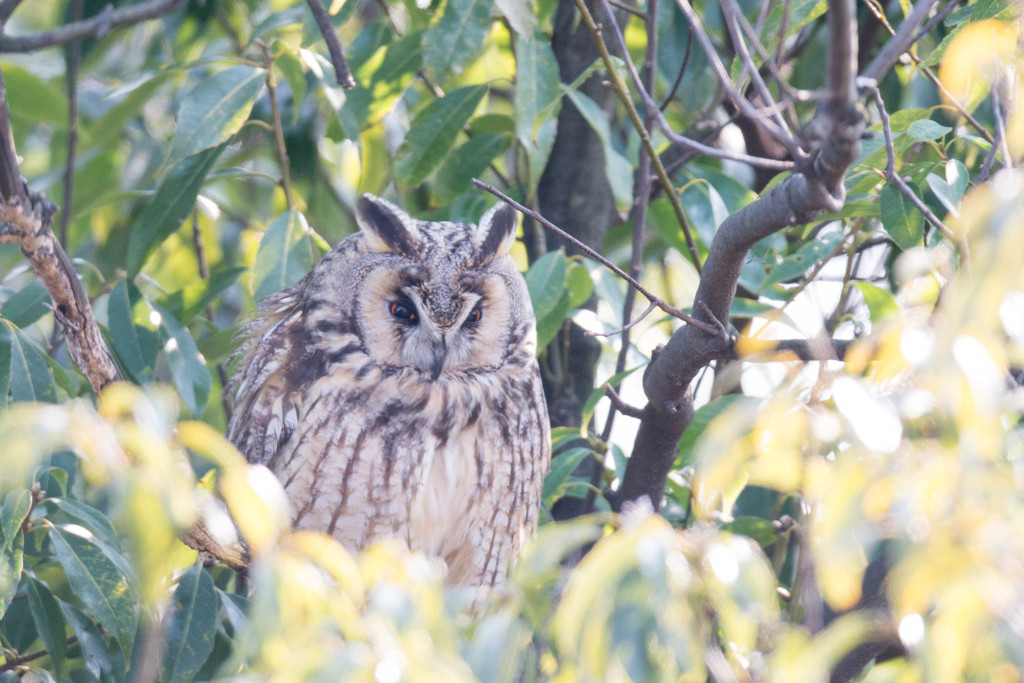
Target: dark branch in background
{"points": [[7, 8], [323, 21], [95, 27]]}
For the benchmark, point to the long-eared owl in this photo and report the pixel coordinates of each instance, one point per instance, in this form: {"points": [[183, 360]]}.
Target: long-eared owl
{"points": [[394, 391]]}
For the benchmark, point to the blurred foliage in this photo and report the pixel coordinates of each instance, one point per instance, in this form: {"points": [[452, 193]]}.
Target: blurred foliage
{"points": [[909, 452]]}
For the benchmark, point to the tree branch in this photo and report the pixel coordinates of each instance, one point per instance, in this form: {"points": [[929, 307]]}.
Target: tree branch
{"points": [[815, 187], [96, 27], [900, 42], [323, 22]]}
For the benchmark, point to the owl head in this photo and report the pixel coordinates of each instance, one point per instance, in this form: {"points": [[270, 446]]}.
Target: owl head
{"points": [[440, 298]]}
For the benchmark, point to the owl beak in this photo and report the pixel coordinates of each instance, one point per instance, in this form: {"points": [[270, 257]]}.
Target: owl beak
{"points": [[437, 363]]}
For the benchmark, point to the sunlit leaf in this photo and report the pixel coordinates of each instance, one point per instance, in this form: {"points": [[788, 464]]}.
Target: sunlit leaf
{"points": [[187, 303], [98, 582], [458, 37], [880, 302], [287, 252], [926, 129], [191, 626], [433, 132], [215, 110], [171, 204]]}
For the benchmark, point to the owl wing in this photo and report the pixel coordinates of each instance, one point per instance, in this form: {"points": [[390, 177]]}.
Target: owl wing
{"points": [[266, 391]]}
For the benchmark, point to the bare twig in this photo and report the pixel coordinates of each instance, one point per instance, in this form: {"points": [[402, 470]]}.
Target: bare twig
{"points": [[620, 405], [897, 181], [901, 41], [674, 312], [101, 24], [18, 661], [623, 93], [679, 76], [626, 8], [275, 113], [632, 323], [323, 22]]}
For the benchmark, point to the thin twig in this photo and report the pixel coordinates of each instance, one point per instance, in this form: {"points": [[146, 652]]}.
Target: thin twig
{"points": [[782, 134], [730, 12], [896, 180], [674, 312], [323, 22], [1000, 125], [626, 8], [620, 405], [631, 324], [679, 76], [94, 27], [20, 660], [623, 92], [74, 58], [901, 41], [204, 272], [275, 113]]}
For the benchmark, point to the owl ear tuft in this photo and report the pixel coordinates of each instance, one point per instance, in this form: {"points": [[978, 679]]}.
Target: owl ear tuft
{"points": [[496, 233], [385, 226]]}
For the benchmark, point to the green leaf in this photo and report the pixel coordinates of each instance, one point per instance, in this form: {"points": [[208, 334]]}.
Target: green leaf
{"points": [[32, 99], [521, 15], [188, 366], [17, 505], [469, 161], [31, 379], [457, 38], [136, 345], [551, 300], [950, 190], [191, 627], [106, 663], [562, 465], [27, 305], [758, 528], [384, 77], [577, 278], [12, 560], [926, 129], [286, 254], [111, 124], [6, 359], [96, 580], [215, 110], [701, 418], [616, 166], [432, 133], [171, 204], [880, 302], [49, 622], [795, 265], [186, 303], [900, 218], [85, 515], [538, 87]]}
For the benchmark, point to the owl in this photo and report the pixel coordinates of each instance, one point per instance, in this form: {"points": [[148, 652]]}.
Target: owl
{"points": [[395, 392]]}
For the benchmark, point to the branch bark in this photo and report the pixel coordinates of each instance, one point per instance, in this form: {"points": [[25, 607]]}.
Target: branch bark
{"points": [[815, 187]]}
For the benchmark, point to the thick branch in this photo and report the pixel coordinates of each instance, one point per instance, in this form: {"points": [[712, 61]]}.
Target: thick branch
{"points": [[95, 27], [817, 187]]}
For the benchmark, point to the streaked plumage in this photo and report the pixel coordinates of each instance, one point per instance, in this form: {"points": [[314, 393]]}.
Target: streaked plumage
{"points": [[395, 392]]}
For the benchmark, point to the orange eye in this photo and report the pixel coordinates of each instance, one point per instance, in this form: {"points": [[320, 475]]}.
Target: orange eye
{"points": [[402, 311], [476, 315]]}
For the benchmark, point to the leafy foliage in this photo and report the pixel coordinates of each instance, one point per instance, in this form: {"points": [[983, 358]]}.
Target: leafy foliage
{"points": [[187, 208]]}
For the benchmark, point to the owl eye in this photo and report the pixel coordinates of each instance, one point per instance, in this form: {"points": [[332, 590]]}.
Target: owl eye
{"points": [[402, 311], [475, 316]]}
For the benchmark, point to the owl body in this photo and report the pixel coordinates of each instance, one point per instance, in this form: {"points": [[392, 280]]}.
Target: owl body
{"points": [[395, 392]]}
